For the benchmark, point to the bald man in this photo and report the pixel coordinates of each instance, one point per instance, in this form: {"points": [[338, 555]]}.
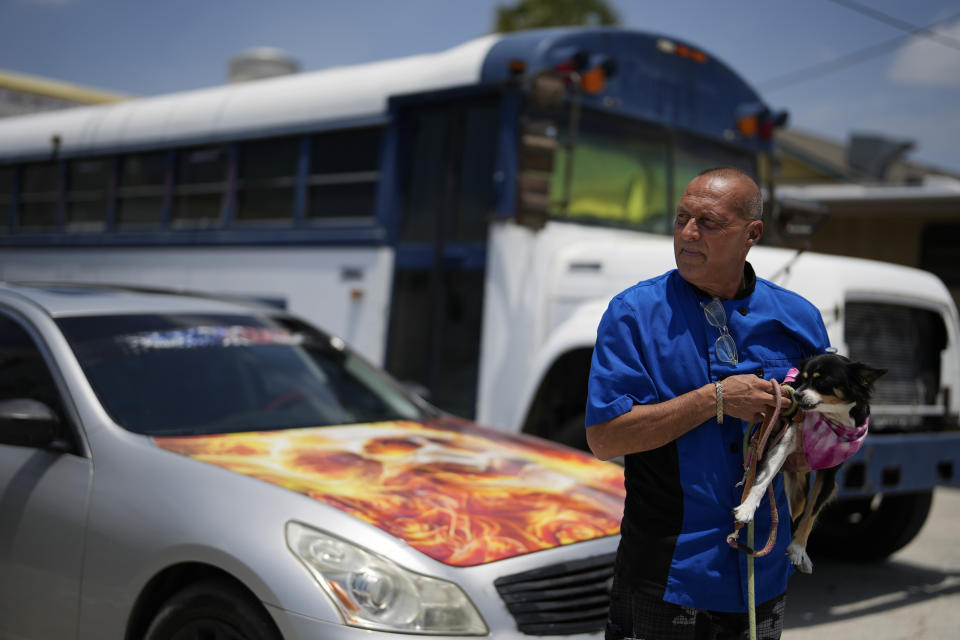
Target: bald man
{"points": [[680, 369]]}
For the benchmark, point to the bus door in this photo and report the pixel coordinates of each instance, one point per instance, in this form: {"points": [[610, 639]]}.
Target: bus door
{"points": [[446, 154]]}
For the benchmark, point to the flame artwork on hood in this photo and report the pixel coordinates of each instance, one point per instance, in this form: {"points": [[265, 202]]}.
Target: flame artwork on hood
{"points": [[462, 496]]}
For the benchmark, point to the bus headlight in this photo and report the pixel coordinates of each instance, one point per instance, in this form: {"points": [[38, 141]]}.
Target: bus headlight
{"points": [[373, 592]]}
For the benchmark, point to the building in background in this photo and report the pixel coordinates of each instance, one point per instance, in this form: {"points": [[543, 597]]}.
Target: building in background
{"points": [[865, 199], [261, 62], [21, 94]]}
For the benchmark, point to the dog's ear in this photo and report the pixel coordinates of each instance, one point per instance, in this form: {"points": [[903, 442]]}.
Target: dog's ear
{"points": [[867, 374]]}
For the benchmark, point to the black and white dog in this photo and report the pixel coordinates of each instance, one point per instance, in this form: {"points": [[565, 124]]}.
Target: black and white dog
{"points": [[834, 395]]}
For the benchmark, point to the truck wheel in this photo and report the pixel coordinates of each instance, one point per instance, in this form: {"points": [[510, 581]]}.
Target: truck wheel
{"points": [[212, 610], [870, 529]]}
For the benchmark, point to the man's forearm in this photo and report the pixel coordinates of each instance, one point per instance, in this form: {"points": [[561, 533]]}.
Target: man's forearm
{"points": [[649, 426]]}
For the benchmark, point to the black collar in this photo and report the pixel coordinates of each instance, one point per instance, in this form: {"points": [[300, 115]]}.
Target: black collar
{"points": [[749, 283]]}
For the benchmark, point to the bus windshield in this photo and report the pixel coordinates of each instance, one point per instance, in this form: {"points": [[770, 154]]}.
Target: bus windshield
{"points": [[629, 174]]}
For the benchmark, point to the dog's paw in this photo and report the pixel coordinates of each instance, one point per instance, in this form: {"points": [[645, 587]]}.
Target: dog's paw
{"points": [[799, 558], [744, 513]]}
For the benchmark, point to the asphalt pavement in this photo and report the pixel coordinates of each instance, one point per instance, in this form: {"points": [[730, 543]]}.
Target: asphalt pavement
{"points": [[914, 595]]}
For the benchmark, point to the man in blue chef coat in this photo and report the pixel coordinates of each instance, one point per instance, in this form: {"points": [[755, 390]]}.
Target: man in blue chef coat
{"points": [[680, 369]]}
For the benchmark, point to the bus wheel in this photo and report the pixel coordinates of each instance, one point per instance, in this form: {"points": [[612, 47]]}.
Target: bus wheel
{"points": [[572, 432], [215, 610], [870, 529]]}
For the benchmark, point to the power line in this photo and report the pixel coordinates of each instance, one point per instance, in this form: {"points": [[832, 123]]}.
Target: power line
{"points": [[846, 60], [947, 41]]}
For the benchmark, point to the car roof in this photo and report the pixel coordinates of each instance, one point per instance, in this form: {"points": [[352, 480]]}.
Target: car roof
{"points": [[72, 299]]}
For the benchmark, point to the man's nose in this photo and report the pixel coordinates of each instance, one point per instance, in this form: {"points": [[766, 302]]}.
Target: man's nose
{"points": [[690, 229]]}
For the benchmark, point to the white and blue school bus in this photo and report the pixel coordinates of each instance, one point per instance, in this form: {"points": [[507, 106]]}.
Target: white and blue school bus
{"points": [[462, 218]]}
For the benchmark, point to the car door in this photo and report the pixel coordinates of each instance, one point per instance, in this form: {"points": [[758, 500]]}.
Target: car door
{"points": [[44, 495]]}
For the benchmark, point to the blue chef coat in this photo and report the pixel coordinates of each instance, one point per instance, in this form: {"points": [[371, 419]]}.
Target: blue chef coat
{"points": [[654, 344]]}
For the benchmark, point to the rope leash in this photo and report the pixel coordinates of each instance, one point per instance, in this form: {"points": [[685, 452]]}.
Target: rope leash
{"points": [[751, 582], [754, 448], [757, 447]]}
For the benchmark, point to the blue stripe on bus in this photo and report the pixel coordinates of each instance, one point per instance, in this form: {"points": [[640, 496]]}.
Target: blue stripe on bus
{"points": [[456, 257], [327, 234]]}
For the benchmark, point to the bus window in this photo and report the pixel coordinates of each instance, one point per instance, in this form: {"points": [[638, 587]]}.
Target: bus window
{"points": [[451, 173], [6, 196], [200, 186], [425, 181], [266, 179], [87, 194], [439, 349], [344, 169], [476, 197], [141, 189], [39, 195], [693, 155], [619, 175]]}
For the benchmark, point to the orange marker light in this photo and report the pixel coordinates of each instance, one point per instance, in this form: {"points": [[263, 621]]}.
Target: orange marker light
{"points": [[594, 80], [748, 126]]}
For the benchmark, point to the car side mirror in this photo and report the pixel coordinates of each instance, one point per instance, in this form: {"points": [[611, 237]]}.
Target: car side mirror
{"points": [[28, 423]]}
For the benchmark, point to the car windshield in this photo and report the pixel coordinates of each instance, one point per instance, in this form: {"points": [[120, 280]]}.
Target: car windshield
{"points": [[175, 374]]}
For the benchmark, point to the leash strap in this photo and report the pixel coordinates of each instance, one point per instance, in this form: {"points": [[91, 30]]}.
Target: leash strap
{"points": [[751, 580], [755, 450]]}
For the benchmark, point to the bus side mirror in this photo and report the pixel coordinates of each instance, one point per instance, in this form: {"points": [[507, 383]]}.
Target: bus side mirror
{"points": [[536, 152], [28, 423]]}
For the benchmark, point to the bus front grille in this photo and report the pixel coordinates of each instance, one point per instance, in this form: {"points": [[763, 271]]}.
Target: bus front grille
{"points": [[907, 342], [571, 597]]}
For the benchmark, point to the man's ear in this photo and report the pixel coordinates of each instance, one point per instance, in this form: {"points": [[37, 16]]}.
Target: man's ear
{"points": [[754, 232]]}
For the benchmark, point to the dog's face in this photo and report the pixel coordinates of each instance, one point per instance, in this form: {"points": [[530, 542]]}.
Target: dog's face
{"points": [[837, 387]]}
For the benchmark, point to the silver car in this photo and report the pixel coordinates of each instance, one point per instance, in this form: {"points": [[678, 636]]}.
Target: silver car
{"points": [[178, 466]]}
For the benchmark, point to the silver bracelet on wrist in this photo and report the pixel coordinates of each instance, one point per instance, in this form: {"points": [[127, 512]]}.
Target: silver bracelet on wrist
{"points": [[719, 388]]}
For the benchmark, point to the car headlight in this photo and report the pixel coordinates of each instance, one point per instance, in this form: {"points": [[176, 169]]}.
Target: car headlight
{"points": [[374, 592]]}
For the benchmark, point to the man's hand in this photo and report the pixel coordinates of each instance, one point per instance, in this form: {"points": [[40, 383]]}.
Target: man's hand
{"points": [[748, 397]]}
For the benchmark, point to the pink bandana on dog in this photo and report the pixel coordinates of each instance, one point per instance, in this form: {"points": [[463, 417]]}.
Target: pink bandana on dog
{"points": [[827, 443]]}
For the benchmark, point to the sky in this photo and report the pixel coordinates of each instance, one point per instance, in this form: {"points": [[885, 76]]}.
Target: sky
{"points": [[836, 70]]}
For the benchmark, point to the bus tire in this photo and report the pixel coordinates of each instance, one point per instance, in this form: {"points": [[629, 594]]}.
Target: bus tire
{"points": [[557, 411], [572, 432], [870, 529]]}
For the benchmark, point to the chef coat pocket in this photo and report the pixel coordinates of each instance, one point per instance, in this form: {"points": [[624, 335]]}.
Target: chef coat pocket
{"points": [[777, 367]]}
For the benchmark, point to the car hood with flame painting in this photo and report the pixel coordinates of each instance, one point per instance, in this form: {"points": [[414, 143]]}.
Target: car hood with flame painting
{"points": [[462, 494]]}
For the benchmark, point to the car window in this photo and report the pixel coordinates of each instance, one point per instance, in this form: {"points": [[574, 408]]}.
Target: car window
{"points": [[23, 371], [165, 374]]}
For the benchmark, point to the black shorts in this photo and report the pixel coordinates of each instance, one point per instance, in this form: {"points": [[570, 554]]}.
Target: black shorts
{"points": [[638, 616]]}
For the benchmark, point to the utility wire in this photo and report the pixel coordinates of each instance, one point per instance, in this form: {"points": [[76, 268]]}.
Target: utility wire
{"points": [[947, 41], [846, 60]]}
